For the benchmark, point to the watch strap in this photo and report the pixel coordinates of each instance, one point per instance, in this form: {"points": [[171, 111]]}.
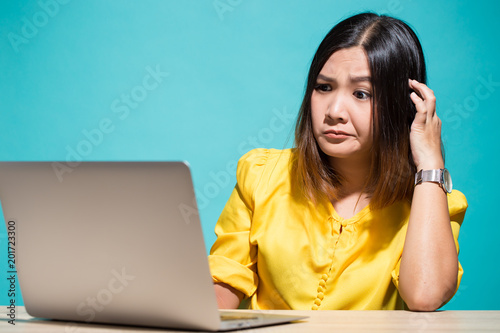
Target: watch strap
{"points": [[434, 175], [439, 176]]}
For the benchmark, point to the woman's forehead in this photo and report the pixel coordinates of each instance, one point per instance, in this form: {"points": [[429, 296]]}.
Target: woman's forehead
{"points": [[351, 62]]}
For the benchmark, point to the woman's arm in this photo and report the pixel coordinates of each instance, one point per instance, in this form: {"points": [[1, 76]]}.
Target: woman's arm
{"points": [[227, 296], [429, 264]]}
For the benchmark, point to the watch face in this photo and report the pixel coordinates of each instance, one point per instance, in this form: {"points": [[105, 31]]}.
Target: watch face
{"points": [[448, 185]]}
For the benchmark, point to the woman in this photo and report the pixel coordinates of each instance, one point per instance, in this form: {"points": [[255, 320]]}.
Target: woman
{"points": [[357, 216]]}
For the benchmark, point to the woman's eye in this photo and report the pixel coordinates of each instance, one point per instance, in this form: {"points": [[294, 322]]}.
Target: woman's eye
{"points": [[362, 95], [322, 87]]}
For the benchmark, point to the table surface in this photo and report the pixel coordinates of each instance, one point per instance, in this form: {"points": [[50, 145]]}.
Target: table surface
{"points": [[318, 321]]}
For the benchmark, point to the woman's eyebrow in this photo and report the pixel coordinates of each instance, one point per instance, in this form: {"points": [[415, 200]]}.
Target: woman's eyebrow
{"points": [[351, 78], [360, 78], [326, 78]]}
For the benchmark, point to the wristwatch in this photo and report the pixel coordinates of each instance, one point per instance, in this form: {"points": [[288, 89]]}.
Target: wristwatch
{"points": [[440, 176]]}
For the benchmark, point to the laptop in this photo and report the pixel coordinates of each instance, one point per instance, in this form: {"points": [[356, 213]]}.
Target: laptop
{"points": [[114, 242]]}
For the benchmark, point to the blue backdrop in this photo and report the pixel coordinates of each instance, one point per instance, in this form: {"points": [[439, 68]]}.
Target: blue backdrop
{"points": [[205, 81]]}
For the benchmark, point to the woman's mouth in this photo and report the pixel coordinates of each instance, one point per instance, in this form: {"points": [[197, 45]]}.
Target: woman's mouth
{"points": [[334, 134]]}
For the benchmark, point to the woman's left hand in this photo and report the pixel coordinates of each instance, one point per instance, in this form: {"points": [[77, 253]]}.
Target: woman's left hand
{"points": [[425, 135]]}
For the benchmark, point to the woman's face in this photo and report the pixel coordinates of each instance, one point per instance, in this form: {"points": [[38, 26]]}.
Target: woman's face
{"points": [[341, 106]]}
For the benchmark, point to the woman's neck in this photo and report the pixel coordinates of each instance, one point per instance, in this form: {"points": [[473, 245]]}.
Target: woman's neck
{"points": [[354, 174], [352, 197]]}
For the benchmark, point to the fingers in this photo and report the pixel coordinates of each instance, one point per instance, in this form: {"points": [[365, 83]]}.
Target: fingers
{"points": [[421, 116], [425, 133], [424, 91], [423, 98]]}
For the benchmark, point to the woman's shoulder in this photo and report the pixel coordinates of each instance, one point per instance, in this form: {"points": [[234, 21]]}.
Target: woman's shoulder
{"points": [[261, 157], [256, 163], [267, 152]]}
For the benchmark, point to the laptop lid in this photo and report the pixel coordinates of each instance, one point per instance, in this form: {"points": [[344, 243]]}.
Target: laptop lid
{"points": [[111, 242]]}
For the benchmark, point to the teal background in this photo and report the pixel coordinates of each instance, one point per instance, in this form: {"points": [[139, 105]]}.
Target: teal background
{"points": [[236, 75]]}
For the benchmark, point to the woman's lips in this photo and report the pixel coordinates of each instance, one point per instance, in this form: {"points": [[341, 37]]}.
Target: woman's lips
{"points": [[333, 134]]}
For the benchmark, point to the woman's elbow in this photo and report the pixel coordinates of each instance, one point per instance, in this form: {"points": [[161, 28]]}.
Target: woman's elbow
{"points": [[428, 300], [423, 304]]}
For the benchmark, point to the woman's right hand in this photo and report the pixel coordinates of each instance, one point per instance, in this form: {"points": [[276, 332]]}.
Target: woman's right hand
{"points": [[227, 296]]}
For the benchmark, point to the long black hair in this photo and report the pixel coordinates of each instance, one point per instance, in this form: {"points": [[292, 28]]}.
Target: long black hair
{"points": [[394, 55]]}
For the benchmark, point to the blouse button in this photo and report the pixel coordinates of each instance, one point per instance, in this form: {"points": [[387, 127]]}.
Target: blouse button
{"points": [[324, 277], [321, 289], [322, 283], [321, 296], [315, 307], [317, 301]]}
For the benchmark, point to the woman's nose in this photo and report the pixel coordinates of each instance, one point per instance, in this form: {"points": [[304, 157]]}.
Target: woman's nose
{"points": [[337, 108]]}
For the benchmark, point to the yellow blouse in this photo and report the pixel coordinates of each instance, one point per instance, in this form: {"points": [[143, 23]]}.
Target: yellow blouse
{"points": [[286, 254]]}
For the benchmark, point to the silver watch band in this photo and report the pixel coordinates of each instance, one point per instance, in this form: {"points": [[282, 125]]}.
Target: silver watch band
{"points": [[440, 176], [435, 175]]}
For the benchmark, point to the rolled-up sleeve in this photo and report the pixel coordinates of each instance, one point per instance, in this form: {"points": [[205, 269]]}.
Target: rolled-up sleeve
{"points": [[233, 258]]}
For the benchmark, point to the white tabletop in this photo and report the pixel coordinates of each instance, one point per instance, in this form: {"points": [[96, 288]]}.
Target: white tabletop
{"points": [[318, 321]]}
